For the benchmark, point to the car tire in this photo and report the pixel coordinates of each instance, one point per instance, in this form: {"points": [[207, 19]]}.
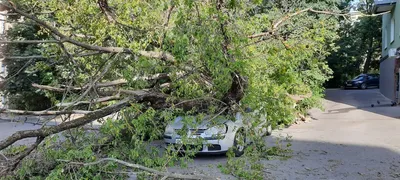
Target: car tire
{"points": [[363, 86], [238, 149]]}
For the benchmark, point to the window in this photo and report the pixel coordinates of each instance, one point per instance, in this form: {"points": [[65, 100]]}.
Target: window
{"points": [[392, 25]]}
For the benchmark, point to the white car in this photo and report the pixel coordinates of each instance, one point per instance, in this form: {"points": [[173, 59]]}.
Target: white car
{"points": [[219, 138]]}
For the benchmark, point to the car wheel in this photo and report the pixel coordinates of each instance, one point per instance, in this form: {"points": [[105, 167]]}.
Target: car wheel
{"points": [[363, 86], [239, 143]]}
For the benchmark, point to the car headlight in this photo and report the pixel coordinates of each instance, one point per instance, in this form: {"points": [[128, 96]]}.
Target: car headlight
{"points": [[169, 130], [216, 130]]}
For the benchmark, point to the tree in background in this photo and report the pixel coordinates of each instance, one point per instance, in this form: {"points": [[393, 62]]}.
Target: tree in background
{"points": [[22, 72], [359, 47]]}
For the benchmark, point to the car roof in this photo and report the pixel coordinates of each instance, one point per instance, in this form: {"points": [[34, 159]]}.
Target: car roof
{"points": [[369, 75]]}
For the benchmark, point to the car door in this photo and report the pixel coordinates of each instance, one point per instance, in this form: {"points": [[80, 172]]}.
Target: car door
{"points": [[375, 80], [370, 80]]}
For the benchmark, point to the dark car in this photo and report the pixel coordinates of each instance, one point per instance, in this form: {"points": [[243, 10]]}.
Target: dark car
{"points": [[363, 81]]}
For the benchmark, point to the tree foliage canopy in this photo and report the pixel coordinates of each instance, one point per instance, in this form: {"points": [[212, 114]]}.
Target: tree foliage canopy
{"points": [[172, 58]]}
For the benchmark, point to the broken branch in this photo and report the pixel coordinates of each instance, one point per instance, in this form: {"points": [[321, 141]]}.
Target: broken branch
{"points": [[41, 113], [94, 101], [46, 131], [55, 89], [138, 166], [30, 42], [47, 57]]}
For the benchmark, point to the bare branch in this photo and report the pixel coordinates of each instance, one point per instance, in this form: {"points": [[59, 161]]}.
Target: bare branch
{"points": [[166, 22], [94, 101], [55, 89], [19, 71], [159, 55], [102, 84], [3, 156], [29, 42], [53, 56], [15, 14], [138, 166], [297, 97], [111, 83], [41, 113]]}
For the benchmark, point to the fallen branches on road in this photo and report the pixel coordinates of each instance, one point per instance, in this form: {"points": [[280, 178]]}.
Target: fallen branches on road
{"points": [[46, 131], [137, 166]]}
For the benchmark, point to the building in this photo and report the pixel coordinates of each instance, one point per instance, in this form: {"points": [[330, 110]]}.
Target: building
{"points": [[389, 63], [4, 26]]}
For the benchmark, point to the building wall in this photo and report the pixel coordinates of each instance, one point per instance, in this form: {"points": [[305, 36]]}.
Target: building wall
{"points": [[386, 83], [4, 26], [390, 42]]}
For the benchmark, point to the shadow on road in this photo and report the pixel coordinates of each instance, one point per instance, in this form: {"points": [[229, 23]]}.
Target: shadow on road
{"points": [[314, 160], [370, 100]]}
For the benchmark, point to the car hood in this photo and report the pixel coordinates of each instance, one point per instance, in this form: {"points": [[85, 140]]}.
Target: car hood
{"points": [[178, 123]]}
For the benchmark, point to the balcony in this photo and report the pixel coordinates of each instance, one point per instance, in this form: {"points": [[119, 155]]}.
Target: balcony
{"points": [[381, 6]]}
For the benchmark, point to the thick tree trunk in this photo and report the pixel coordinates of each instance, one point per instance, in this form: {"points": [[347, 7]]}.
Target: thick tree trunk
{"points": [[369, 55]]}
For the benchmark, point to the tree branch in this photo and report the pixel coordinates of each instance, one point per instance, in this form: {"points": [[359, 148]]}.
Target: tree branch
{"points": [[103, 4], [30, 42], [101, 85], [26, 153], [46, 131], [277, 24], [138, 166], [150, 54], [53, 56], [166, 22], [297, 97], [55, 89], [155, 99], [94, 101], [41, 113]]}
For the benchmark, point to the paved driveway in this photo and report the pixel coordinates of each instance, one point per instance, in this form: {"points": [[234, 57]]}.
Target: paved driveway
{"points": [[348, 140]]}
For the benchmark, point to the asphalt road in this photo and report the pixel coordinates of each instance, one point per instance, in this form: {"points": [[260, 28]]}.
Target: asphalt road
{"points": [[348, 140]]}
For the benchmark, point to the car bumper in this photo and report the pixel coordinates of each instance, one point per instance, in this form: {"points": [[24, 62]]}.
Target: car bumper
{"points": [[218, 146], [351, 85]]}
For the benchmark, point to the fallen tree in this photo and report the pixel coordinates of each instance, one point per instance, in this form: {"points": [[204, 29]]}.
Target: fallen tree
{"points": [[203, 57]]}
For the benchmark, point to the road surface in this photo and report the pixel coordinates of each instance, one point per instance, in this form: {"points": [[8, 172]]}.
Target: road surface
{"points": [[348, 140]]}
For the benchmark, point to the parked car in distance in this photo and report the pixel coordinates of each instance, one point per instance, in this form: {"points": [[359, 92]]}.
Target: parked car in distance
{"points": [[217, 139], [363, 81]]}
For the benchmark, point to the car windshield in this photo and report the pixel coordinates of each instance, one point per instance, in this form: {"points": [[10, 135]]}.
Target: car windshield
{"points": [[359, 78]]}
